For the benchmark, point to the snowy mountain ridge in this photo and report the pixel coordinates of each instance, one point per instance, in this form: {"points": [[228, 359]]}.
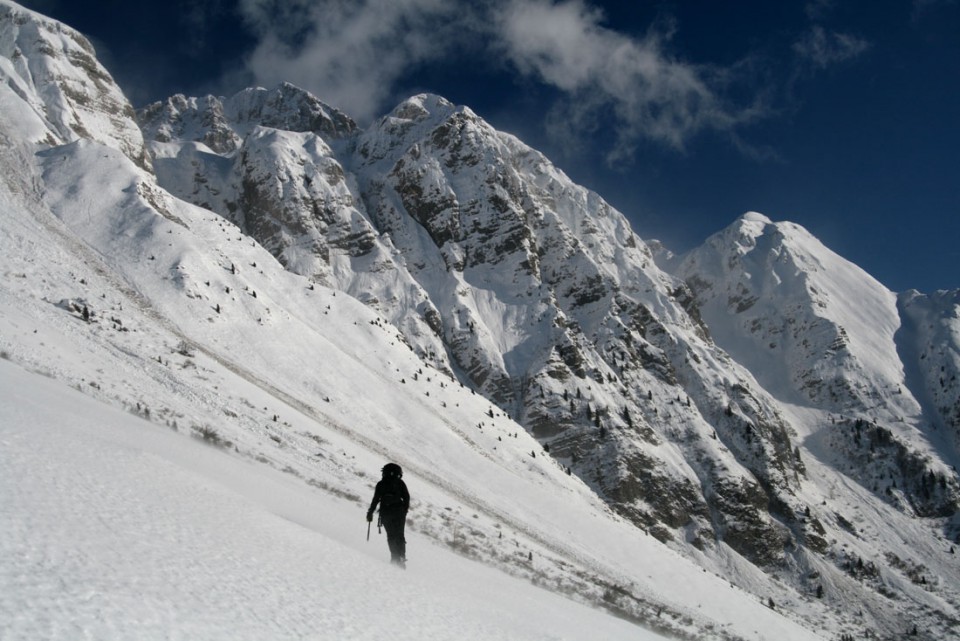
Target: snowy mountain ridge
{"points": [[756, 284], [780, 266], [760, 406]]}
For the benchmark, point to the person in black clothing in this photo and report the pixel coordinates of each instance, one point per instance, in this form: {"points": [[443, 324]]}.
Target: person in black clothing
{"points": [[394, 500]]}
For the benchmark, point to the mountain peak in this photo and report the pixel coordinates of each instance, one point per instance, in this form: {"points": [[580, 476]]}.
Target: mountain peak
{"points": [[751, 226], [427, 109], [222, 123], [292, 108], [755, 217], [56, 91], [423, 105]]}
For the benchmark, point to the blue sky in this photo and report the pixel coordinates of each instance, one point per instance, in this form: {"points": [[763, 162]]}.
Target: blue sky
{"points": [[841, 116]]}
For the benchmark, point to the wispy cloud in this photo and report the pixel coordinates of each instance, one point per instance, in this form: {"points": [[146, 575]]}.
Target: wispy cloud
{"points": [[352, 54], [824, 48], [349, 53], [651, 94]]}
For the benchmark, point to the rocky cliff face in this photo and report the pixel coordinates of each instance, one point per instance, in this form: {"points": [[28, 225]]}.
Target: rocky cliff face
{"points": [[59, 90], [689, 392], [532, 290], [273, 162], [819, 332], [692, 393]]}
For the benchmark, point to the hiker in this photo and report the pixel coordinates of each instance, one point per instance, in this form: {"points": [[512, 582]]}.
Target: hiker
{"points": [[394, 500]]}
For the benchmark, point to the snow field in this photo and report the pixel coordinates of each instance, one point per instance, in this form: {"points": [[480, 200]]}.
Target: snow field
{"points": [[116, 528]]}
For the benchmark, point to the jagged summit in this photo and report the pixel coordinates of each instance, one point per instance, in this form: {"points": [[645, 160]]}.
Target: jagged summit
{"points": [[223, 123], [414, 122], [536, 293], [290, 108], [772, 288], [423, 106], [755, 217], [55, 89]]}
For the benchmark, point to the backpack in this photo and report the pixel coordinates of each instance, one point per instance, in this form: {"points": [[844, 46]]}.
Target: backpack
{"points": [[392, 496]]}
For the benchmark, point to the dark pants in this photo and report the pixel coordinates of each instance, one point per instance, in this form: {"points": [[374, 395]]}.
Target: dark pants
{"points": [[394, 522]]}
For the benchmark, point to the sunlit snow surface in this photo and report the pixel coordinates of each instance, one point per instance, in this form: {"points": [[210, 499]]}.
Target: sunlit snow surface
{"points": [[313, 396], [115, 528]]}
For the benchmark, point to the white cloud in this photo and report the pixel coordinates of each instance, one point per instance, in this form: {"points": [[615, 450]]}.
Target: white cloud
{"points": [[650, 93], [352, 54], [824, 49], [348, 53]]}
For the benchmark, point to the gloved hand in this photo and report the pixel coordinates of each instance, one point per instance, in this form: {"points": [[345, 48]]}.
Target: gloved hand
{"points": [[369, 517]]}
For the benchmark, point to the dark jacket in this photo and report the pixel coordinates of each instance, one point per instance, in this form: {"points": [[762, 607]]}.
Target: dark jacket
{"points": [[392, 495]]}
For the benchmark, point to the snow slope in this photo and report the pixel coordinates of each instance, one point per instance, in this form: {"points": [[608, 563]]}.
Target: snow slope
{"points": [[114, 528], [281, 393], [195, 333], [777, 300]]}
